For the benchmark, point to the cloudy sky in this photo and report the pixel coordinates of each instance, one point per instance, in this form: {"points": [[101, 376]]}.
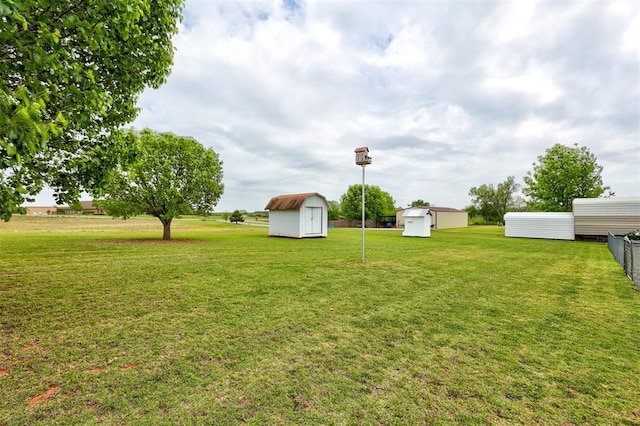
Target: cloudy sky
{"points": [[446, 95]]}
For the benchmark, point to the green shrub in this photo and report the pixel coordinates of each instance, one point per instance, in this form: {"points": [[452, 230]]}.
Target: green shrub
{"points": [[633, 235]]}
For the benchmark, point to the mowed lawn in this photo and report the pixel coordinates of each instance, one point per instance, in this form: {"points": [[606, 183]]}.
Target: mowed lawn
{"points": [[101, 322]]}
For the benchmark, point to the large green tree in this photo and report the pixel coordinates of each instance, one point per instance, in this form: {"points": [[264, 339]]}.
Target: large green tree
{"points": [[168, 176], [562, 174], [378, 203], [493, 202], [71, 72]]}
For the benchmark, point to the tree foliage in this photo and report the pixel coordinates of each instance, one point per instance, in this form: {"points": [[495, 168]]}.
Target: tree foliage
{"points": [[236, 217], [378, 203], [334, 210], [71, 72], [419, 203], [168, 176], [493, 202], [562, 174]]}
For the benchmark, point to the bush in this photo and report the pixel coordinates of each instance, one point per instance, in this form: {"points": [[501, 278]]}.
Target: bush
{"points": [[633, 235], [236, 217]]}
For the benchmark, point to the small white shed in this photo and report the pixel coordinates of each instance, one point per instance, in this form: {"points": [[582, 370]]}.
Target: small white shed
{"points": [[298, 215], [547, 225], [417, 222]]}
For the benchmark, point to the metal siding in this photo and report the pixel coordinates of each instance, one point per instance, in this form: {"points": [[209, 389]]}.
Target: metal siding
{"points": [[622, 206], [598, 216], [601, 225], [445, 220], [554, 226]]}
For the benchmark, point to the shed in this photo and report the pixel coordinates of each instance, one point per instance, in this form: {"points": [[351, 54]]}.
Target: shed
{"points": [[298, 215], [417, 222], [598, 216], [441, 217], [547, 225]]}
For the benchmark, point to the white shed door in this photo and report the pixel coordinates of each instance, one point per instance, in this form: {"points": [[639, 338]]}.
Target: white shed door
{"points": [[313, 223]]}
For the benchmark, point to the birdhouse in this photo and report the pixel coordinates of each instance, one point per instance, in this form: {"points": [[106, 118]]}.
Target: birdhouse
{"points": [[362, 156]]}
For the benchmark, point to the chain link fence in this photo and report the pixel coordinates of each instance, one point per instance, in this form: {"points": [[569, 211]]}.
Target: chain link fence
{"points": [[627, 254]]}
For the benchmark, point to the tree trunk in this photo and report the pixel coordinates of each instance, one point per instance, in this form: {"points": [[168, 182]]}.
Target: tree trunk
{"points": [[167, 229]]}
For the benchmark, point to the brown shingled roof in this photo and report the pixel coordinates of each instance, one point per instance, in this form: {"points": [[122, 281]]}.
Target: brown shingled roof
{"points": [[290, 201]]}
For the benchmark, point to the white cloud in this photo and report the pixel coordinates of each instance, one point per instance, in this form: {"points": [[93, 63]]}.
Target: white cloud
{"points": [[536, 83], [446, 95]]}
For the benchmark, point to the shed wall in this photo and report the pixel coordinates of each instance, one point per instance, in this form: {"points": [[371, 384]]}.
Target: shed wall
{"points": [[284, 223], [602, 225], [554, 226], [615, 206], [598, 216], [444, 220]]}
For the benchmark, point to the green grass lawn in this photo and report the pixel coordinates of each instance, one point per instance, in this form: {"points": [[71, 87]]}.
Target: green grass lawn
{"points": [[101, 322]]}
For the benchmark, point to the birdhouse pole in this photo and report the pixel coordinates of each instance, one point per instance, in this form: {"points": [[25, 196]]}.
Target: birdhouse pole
{"points": [[362, 159]]}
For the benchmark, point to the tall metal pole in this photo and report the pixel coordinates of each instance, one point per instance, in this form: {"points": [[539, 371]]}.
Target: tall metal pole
{"points": [[362, 159], [363, 213]]}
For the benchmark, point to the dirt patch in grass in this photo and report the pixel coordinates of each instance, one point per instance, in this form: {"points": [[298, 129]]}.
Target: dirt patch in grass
{"points": [[30, 346], [45, 396], [129, 367], [4, 372]]}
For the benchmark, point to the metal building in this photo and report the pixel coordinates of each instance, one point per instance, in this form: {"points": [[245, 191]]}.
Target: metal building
{"points": [[598, 216], [547, 225]]}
